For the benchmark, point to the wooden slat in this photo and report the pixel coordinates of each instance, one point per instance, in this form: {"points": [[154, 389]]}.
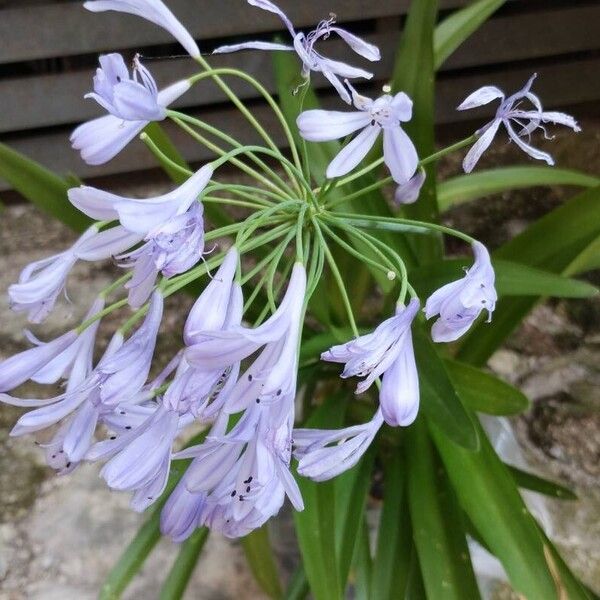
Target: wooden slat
{"points": [[34, 102], [68, 29], [557, 85]]}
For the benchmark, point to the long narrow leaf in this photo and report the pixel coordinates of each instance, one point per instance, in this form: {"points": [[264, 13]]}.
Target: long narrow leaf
{"points": [[179, 576], [436, 517], [454, 30], [465, 188], [532, 482], [41, 187], [262, 561]]}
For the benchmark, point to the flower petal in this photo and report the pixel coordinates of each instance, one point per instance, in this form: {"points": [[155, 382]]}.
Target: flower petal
{"points": [[351, 154], [368, 51], [484, 95], [480, 146], [399, 154], [325, 125]]}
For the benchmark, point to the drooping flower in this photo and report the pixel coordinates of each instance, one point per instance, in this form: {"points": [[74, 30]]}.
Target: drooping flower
{"points": [[116, 380], [128, 97], [41, 282], [387, 351], [101, 139], [510, 111], [386, 113], [151, 10], [408, 192], [459, 303], [323, 454], [17, 369], [171, 225], [238, 480], [272, 374], [304, 46]]}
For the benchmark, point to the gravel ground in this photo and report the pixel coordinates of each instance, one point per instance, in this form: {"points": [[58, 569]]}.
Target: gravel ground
{"points": [[60, 536]]}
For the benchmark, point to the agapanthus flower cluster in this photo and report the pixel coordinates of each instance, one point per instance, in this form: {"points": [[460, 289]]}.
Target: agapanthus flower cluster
{"points": [[236, 373]]}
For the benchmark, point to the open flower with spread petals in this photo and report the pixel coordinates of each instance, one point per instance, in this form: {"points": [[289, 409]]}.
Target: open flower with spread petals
{"points": [[512, 112], [387, 352], [151, 10], [373, 116], [459, 303], [171, 225], [304, 46], [41, 282], [326, 453], [132, 101]]}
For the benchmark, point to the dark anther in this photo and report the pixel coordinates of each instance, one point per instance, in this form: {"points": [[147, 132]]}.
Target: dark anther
{"points": [[373, 122], [241, 498], [258, 401], [249, 479], [248, 489], [68, 464], [278, 392], [249, 377], [122, 412], [150, 498], [54, 456], [113, 437], [119, 78], [128, 427], [233, 494]]}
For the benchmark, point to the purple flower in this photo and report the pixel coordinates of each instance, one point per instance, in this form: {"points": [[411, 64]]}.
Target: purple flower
{"points": [[323, 454], [23, 366], [388, 351], [386, 113], [41, 282], [117, 379], [408, 192], [509, 112], [127, 97], [101, 139], [304, 45], [152, 10], [243, 476], [459, 303], [171, 225], [273, 373]]}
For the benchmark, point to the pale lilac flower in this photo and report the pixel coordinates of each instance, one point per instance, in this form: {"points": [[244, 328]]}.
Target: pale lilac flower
{"points": [[272, 375], [117, 379], [459, 303], [386, 113], [151, 10], [243, 475], [171, 225], [128, 97], [408, 192], [387, 351], [23, 366], [323, 454], [41, 282], [304, 46], [509, 112], [180, 516], [101, 139]]}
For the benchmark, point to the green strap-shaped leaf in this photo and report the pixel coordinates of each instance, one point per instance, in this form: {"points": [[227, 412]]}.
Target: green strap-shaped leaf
{"points": [[483, 392], [459, 26], [351, 488], [436, 519], [489, 496], [465, 188], [363, 563], [179, 576], [552, 243], [391, 562], [262, 561], [414, 74], [316, 524], [439, 400], [535, 483], [512, 279], [41, 187]]}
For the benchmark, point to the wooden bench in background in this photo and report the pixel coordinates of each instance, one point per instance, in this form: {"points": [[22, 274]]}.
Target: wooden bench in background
{"points": [[48, 52]]}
